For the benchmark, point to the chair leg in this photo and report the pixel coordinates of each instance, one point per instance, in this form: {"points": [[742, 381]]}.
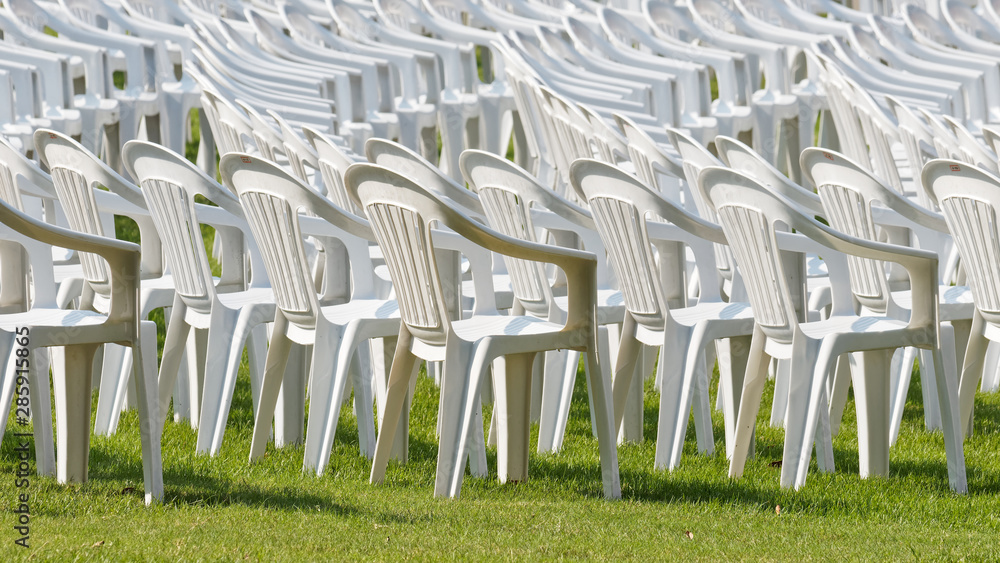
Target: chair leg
{"points": [[901, 372], [115, 373], [731, 385], [362, 377], [333, 355], [274, 370], [72, 394], [675, 394], [753, 389], [173, 351], [972, 372], [150, 421], [41, 412], [839, 386], [559, 372], [629, 351], [779, 404], [811, 362], [951, 424], [871, 393], [220, 379], [397, 389], [290, 412], [459, 389], [512, 404], [604, 415]]}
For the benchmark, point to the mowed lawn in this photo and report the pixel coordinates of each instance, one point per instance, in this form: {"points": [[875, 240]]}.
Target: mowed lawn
{"points": [[223, 508]]}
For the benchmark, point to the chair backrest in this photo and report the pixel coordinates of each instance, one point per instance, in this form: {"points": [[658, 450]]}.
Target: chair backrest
{"points": [[749, 214], [272, 201], [848, 193], [234, 134], [972, 148], [401, 159], [695, 158], [652, 165], [15, 171], [402, 214], [969, 198], [76, 173], [333, 163], [623, 208], [170, 183], [740, 157], [507, 198], [918, 142]]}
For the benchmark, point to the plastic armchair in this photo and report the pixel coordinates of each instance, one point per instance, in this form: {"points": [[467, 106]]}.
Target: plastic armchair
{"points": [[749, 214], [44, 94], [691, 101], [28, 189], [517, 205], [775, 103], [900, 37], [852, 196], [408, 163], [918, 142], [653, 164], [76, 174], [112, 268], [98, 111], [656, 314], [870, 46], [333, 162], [366, 110], [413, 102], [459, 110], [177, 96], [469, 346], [495, 96], [273, 200], [169, 184], [991, 136], [968, 197], [140, 98], [729, 109]]}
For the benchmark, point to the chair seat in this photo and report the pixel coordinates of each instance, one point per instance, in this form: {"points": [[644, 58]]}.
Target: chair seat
{"points": [[51, 317], [362, 309], [253, 295], [477, 328], [954, 302], [690, 316], [846, 324], [610, 306]]}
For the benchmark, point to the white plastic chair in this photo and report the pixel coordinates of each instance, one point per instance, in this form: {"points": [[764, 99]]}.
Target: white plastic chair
{"points": [[968, 197], [112, 269], [852, 197], [77, 173], [229, 309], [402, 215], [749, 214], [626, 214], [273, 200], [516, 205]]}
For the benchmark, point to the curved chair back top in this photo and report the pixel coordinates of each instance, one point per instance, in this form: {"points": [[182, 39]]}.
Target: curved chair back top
{"points": [[969, 198]]}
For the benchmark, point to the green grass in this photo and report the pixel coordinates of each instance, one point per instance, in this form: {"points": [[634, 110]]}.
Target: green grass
{"points": [[224, 508]]}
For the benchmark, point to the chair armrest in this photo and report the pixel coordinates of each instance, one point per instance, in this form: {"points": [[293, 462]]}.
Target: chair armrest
{"points": [[122, 257]]}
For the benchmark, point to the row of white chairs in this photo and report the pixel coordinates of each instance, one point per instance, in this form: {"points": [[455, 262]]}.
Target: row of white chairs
{"points": [[560, 132]]}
